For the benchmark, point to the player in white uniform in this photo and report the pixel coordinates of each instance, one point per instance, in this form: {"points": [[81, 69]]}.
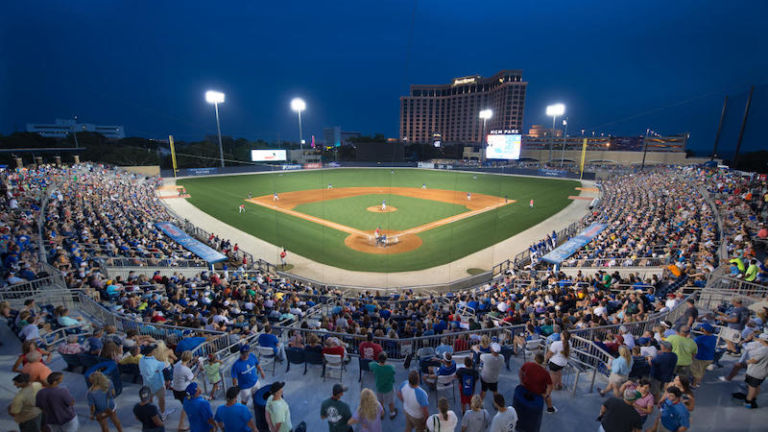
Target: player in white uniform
{"points": [[383, 205]]}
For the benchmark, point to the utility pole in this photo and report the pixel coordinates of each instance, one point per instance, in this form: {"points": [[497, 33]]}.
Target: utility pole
{"points": [[743, 126], [719, 129]]}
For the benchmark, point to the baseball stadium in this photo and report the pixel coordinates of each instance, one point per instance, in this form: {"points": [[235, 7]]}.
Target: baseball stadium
{"points": [[361, 217]]}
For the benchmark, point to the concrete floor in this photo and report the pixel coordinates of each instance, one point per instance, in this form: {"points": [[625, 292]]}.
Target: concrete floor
{"points": [[715, 410]]}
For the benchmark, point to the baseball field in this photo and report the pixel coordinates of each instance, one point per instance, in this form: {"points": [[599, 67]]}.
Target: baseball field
{"points": [[380, 220]]}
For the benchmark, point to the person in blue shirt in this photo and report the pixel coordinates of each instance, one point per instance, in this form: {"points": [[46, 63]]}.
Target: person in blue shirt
{"points": [[705, 354], [674, 415], [233, 416], [198, 410], [267, 339], [244, 373], [189, 344]]}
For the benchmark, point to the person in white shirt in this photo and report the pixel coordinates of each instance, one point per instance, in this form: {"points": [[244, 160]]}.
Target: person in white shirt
{"points": [[445, 420], [629, 338], [505, 419], [182, 377], [558, 354]]}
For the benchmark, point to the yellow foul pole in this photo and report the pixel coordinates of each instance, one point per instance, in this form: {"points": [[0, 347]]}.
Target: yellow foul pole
{"points": [[583, 156], [173, 155]]}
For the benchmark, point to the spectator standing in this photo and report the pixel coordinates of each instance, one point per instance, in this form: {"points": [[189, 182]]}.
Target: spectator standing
{"points": [[278, 411], [151, 371], [369, 413], [685, 348], [477, 418], [467, 377], [674, 415], [234, 416], [736, 319], [689, 316], [489, 375], [198, 409], [244, 373], [147, 413], [182, 378], [445, 420], [558, 355], [620, 367], [662, 368], [101, 401], [705, 353], [757, 370], [415, 403], [22, 409], [58, 405], [336, 411], [617, 415], [537, 380], [506, 416], [385, 382]]}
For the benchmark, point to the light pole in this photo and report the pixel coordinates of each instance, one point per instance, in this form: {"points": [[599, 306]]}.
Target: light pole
{"points": [[485, 115], [215, 98], [298, 105], [565, 141], [554, 111]]}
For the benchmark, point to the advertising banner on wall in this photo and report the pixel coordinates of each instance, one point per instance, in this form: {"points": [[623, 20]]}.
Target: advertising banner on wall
{"points": [[562, 252], [191, 244], [267, 155]]}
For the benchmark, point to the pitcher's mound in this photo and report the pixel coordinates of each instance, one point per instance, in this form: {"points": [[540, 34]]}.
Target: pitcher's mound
{"points": [[377, 209], [397, 243]]}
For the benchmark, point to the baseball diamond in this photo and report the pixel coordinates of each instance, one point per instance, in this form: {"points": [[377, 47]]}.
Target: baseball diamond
{"points": [[429, 218]]}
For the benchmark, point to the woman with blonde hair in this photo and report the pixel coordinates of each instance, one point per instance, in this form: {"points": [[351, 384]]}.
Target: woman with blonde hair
{"points": [[445, 420], [182, 377], [369, 413], [477, 419], [620, 367], [101, 400]]}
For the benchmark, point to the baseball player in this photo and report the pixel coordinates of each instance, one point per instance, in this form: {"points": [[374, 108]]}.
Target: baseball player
{"points": [[250, 195], [469, 196], [330, 186], [423, 185], [283, 254], [383, 205], [530, 204], [275, 197], [241, 209]]}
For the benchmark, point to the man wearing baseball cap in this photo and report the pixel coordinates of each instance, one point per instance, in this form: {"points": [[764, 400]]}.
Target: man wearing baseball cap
{"points": [[705, 355], [244, 373], [336, 411], [620, 415], [198, 410], [278, 411], [489, 375], [147, 413]]}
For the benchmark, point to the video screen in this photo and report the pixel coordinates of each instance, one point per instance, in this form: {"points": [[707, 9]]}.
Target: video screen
{"points": [[267, 155], [503, 146]]}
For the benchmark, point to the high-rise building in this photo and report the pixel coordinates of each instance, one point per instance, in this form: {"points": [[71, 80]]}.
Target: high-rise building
{"points": [[62, 127], [451, 111]]}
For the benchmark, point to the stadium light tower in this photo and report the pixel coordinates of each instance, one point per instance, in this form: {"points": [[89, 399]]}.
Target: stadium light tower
{"points": [[565, 142], [215, 98], [555, 111], [298, 105], [485, 115]]}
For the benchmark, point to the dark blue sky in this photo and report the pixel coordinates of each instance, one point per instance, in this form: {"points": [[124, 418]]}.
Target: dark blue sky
{"points": [[619, 67]]}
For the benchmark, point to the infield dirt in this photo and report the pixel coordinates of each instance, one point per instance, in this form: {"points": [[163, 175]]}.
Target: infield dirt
{"points": [[359, 240]]}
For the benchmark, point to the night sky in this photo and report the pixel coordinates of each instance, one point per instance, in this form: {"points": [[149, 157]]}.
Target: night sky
{"points": [[619, 67]]}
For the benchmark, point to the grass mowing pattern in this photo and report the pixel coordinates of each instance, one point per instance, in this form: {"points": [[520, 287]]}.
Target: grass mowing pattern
{"points": [[220, 197], [411, 212]]}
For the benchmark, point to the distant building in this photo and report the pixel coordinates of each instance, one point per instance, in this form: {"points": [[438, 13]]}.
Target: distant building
{"points": [[451, 111], [62, 127], [335, 137], [539, 131]]}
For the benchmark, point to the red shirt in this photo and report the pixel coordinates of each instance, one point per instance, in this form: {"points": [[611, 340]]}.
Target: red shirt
{"points": [[535, 378], [337, 350], [370, 350]]}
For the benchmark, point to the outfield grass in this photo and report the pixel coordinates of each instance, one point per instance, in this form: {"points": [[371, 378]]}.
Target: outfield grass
{"points": [[220, 197], [352, 212]]}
